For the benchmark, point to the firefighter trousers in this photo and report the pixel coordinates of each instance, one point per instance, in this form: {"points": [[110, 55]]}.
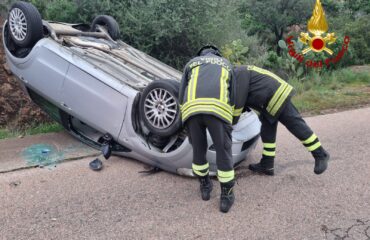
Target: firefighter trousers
{"points": [[293, 121], [220, 132]]}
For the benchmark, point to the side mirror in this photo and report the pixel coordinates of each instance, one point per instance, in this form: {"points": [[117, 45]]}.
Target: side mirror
{"points": [[106, 150], [107, 146]]}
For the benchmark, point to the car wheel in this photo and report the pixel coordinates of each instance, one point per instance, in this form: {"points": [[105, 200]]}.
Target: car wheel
{"points": [[174, 83], [25, 24], [159, 108], [109, 22]]}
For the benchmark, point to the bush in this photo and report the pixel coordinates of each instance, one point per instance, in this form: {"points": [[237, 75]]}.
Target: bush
{"points": [[356, 25], [4, 5], [284, 65], [60, 10], [249, 50], [359, 33], [174, 30], [236, 52]]}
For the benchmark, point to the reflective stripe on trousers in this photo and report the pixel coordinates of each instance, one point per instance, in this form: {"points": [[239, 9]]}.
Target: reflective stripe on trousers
{"points": [[201, 170], [225, 177], [312, 143], [269, 149]]}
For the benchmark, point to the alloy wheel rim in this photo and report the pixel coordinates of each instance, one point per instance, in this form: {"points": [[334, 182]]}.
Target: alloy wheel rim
{"points": [[160, 108], [18, 24]]}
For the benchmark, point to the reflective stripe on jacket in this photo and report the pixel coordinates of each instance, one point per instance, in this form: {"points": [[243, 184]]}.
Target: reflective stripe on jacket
{"points": [[207, 88], [261, 90]]}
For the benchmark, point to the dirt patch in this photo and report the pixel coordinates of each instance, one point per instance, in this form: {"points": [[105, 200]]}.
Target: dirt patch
{"points": [[16, 109]]}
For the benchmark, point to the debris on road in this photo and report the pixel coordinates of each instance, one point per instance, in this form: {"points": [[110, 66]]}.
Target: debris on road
{"points": [[15, 184], [42, 155], [96, 165]]}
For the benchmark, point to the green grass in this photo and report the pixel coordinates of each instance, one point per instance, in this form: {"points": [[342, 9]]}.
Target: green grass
{"points": [[38, 129], [4, 133], [340, 89], [44, 128]]}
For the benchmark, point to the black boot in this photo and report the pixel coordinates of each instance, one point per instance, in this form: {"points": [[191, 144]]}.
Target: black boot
{"points": [[265, 166], [206, 187], [227, 196], [321, 160]]}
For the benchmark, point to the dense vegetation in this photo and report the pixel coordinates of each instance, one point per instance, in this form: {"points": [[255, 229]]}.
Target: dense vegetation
{"points": [[247, 30]]}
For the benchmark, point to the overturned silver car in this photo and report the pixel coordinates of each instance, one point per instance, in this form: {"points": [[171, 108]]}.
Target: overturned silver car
{"points": [[103, 90]]}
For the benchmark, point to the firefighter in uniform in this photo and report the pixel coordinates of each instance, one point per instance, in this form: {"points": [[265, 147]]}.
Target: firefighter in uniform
{"points": [[269, 95], [206, 100]]}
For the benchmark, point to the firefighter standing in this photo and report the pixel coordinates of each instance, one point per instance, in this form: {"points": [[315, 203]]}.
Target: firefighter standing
{"points": [[270, 95], [206, 99]]}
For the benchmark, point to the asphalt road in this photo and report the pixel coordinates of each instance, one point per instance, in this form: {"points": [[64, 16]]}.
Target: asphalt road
{"points": [[72, 202]]}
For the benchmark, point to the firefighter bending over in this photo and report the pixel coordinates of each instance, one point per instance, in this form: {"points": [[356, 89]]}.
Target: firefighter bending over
{"points": [[268, 94], [206, 99]]}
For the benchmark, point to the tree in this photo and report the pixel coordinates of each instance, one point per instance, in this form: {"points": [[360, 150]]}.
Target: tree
{"points": [[275, 16], [362, 6]]}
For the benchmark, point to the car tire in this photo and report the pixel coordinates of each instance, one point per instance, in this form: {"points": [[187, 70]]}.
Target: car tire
{"points": [[109, 22], [159, 108], [174, 83], [25, 24]]}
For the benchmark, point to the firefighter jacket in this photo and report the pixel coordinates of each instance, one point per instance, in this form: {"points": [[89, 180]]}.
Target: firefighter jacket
{"points": [[260, 90], [207, 88]]}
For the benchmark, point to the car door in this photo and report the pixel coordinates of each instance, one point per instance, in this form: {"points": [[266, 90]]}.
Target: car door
{"points": [[93, 102], [45, 73]]}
